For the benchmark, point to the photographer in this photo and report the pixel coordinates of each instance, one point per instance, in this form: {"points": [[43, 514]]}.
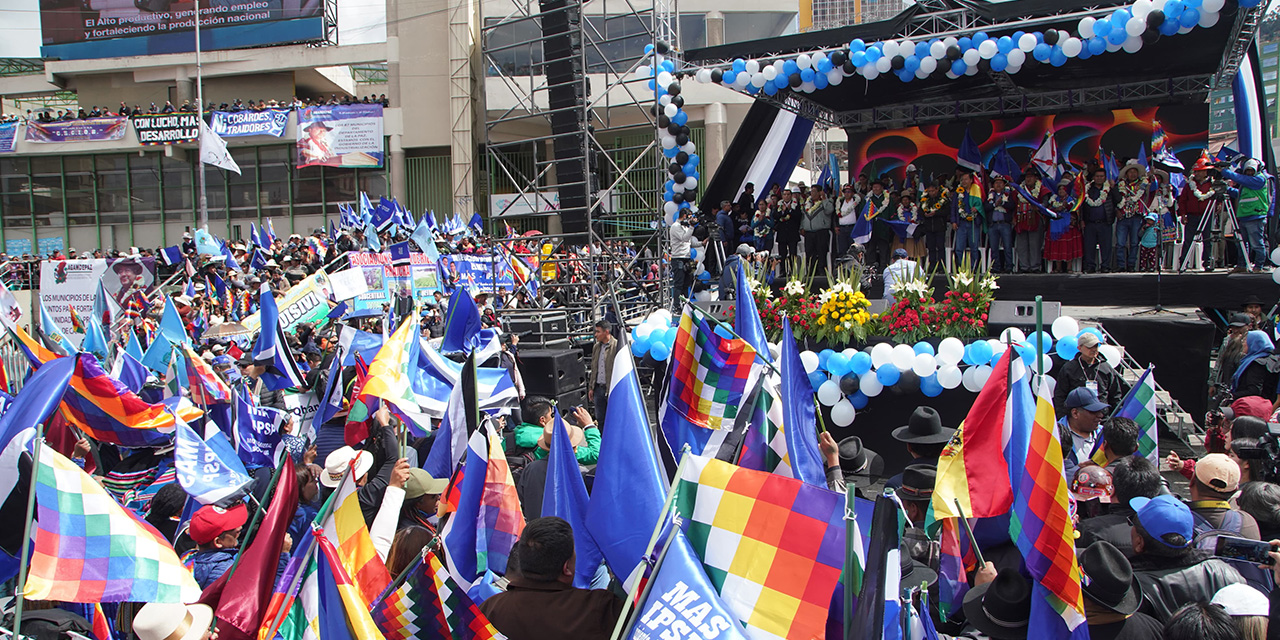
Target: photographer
{"points": [[682, 244], [1252, 209]]}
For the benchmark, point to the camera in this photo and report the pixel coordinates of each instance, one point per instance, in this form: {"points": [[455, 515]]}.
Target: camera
{"points": [[1264, 460]]}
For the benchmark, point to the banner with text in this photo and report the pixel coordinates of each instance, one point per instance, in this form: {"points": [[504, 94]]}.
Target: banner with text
{"points": [[340, 136], [8, 136], [166, 128], [307, 301], [386, 282], [74, 283], [89, 130], [233, 124], [476, 273]]}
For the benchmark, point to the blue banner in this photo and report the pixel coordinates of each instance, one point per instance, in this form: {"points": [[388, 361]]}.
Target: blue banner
{"points": [[17, 246], [88, 130], [268, 122], [257, 432], [340, 136], [8, 136], [50, 245], [208, 470]]}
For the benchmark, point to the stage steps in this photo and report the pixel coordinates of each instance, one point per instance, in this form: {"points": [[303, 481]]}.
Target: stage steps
{"points": [[1179, 422]]}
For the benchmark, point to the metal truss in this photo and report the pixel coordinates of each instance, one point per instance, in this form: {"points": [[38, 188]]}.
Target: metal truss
{"points": [[1243, 32], [20, 66], [370, 73], [616, 142]]}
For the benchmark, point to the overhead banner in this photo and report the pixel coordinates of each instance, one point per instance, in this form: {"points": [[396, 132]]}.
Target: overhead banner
{"points": [[233, 124], [8, 136], [387, 282], [476, 273], [88, 130], [307, 301], [166, 128], [340, 136], [74, 283]]}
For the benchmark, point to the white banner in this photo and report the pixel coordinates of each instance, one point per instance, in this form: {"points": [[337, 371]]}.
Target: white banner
{"points": [[349, 283], [74, 283], [303, 408]]}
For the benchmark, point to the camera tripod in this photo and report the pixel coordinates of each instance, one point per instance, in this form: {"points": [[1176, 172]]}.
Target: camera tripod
{"points": [[1208, 221]]}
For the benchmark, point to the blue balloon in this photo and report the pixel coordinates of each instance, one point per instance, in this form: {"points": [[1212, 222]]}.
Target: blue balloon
{"points": [[660, 351], [730, 77], [873, 54], [859, 400], [1057, 58], [1067, 348], [999, 62], [820, 81], [888, 375], [1119, 17], [689, 170], [1046, 346], [671, 153], [1118, 36], [1027, 353], [968, 357], [694, 159], [806, 75], [1085, 53], [838, 364], [857, 46], [860, 363], [1017, 35], [930, 386], [693, 254], [671, 334], [1005, 44], [858, 59], [739, 65], [770, 89], [1190, 17], [816, 379], [965, 43], [1094, 330], [1097, 44], [1171, 27], [1039, 37], [979, 37], [982, 352], [1102, 28], [958, 67], [789, 67], [639, 347], [824, 66], [904, 75], [922, 49], [911, 64], [648, 48], [1195, 4], [653, 84], [923, 347], [823, 356], [1173, 8], [781, 82], [1041, 53], [682, 117], [995, 358]]}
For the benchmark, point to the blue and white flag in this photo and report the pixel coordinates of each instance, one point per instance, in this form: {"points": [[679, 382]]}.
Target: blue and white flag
{"points": [[565, 496], [799, 414], [257, 431], [52, 335], [400, 254], [436, 376], [95, 341], [682, 601], [171, 326], [1250, 102], [206, 243], [271, 350], [173, 255], [37, 400], [383, 215], [129, 371], [208, 469], [968, 155], [371, 241], [878, 613], [423, 237], [105, 307], [476, 224], [461, 324], [270, 230], [331, 399], [258, 261], [450, 443]]}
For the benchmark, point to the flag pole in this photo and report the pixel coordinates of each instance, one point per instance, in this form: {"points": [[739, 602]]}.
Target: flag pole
{"points": [[973, 542], [24, 567], [850, 527], [1040, 335], [723, 325]]}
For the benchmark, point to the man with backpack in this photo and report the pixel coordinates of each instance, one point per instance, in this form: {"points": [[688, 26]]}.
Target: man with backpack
{"points": [[1217, 479]]}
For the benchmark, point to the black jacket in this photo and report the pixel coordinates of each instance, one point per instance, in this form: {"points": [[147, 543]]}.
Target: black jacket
{"points": [[1169, 583], [1074, 374], [1260, 378], [385, 448]]}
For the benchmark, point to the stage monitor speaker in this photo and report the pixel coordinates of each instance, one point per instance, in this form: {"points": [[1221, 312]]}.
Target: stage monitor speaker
{"points": [[551, 372], [573, 398], [1004, 314]]}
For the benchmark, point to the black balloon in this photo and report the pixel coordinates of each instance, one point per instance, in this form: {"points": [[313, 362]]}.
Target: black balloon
{"points": [[1150, 35], [848, 68], [674, 88], [677, 198], [662, 48], [795, 80], [1155, 19], [717, 75], [675, 168], [908, 382], [838, 58], [673, 128], [848, 384], [682, 158], [664, 121], [690, 195], [682, 139], [685, 130], [680, 177], [953, 52], [1051, 37], [897, 63], [678, 101]]}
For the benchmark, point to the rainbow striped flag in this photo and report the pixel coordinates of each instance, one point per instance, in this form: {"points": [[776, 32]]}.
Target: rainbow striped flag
{"points": [[486, 517], [101, 625], [206, 386], [1138, 405], [773, 547], [107, 411], [343, 612], [88, 548], [77, 325], [301, 622], [345, 530], [35, 352], [953, 564], [431, 606], [1042, 528], [710, 377]]}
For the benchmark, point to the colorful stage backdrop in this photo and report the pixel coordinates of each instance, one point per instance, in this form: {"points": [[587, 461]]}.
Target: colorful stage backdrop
{"points": [[932, 148]]}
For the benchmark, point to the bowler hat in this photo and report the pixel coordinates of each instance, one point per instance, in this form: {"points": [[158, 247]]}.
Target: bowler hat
{"points": [[1000, 608], [924, 427], [918, 481], [1108, 578], [858, 463]]}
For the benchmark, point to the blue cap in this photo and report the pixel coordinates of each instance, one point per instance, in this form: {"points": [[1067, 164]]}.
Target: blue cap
{"points": [[1164, 514], [219, 360], [899, 253], [1085, 398]]}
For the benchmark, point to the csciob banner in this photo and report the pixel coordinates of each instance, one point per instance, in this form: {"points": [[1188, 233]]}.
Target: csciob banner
{"points": [[477, 274], [340, 136], [386, 282], [166, 128], [88, 130], [74, 283], [233, 124], [8, 136]]}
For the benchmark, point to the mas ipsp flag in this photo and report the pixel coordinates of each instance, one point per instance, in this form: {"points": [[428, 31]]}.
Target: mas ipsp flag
{"points": [[208, 469], [681, 601]]}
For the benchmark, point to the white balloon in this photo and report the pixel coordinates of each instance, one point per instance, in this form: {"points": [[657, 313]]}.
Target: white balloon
{"points": [[671, 110], [753, 66], [1141, 8], [1072, 47], [668, 208], [1016, 57], [1012, 334], [950, 351], [758, 80], [1027, 42], [1135, 26], [849, 353], [971, 71], [804, 61], [1086, 27], [938, 50], [1046, 363], [1208, 18], [843, 413], [1133, 44], [829, 393], [929, 65], [662, 317], [808, 87], [903, 357], [644, 71], [1275, 276], [664, 79], [810, 361], [1111, 353], [668, 142], [884, 64], [921, 73], [870, 72], [951, 76], [997, 347], [951, 41], [870, 385], [643, 330], [1185, 29], [1211, 6], [907, 47], [664, 99], [949, 376], [970, 380], [925, 365], [835, 77], [703, 76], [1112, 48], [817, 57], [689, 148], [881, 354], [890, 49], [987, 49], [971, 57], [1064, 326], [983, 374], [690, 183], [1012, 69], [742, 81], [770, 72], [678, 187]]}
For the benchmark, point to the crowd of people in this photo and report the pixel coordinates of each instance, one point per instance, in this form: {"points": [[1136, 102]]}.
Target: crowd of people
{"points": [[124, 110]]}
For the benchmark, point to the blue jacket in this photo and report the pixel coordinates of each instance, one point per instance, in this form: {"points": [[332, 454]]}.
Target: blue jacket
{"points": [[728, 230], [208, 566]]}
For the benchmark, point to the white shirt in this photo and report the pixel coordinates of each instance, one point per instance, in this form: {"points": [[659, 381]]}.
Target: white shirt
{"points": [[681, 240], [899, 271], [849, 210]]}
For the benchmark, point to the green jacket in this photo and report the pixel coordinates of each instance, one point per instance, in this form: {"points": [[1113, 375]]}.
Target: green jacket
{"points": [[1253, 202], [587, 453]]}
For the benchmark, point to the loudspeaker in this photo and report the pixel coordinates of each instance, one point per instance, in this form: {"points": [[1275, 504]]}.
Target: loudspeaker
{"points": [[1004, 314], [567, 93], [572, 398], [551, 372]]}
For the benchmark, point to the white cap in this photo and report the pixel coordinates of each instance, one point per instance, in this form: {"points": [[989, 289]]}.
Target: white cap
{"points": [[335, 466], [1242, 600]]}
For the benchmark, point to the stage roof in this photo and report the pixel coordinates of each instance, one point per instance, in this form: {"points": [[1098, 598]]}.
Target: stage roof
{"points": [[1174, 69]]}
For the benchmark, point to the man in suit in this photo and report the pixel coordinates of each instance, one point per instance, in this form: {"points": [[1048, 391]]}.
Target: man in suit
{"points": [[600, 368]]}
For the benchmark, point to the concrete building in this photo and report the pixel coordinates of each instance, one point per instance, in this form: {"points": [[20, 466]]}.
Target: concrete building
{"points": [[441, 88], [1222, 117]]}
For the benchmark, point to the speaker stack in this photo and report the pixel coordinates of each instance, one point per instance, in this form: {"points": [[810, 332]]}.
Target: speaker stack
{"points": [[555, 373], [567, 90]]}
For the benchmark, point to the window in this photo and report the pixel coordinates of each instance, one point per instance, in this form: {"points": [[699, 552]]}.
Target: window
{"points": [[242, 189], [113, 188], [15, 192], [273, 174], [80, 195], [179, 187], [1270, 47], [144, 174], [46, 190], [1269, 75]]}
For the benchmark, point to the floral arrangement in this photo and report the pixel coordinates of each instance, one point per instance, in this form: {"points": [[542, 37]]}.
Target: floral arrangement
{"points": [[964, 308], [841, 314], [914, 315]]}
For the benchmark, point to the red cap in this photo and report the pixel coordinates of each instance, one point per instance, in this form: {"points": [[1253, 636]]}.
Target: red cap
{"points": [[211, 521], [1255, 406]]}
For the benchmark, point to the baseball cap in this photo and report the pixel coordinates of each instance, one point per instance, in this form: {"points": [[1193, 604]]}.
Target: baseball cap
{"points": [[221, 360], [335, 466], [1241, 600], [1240, 320], [421, 483], [1086, 339], [899, 253], [1218, 472], [211, 521], [1255, 406], [1162, 515], [1085, 398]]}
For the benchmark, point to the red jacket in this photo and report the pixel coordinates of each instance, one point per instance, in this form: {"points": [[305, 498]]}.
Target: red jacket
{"points": [[1027, 217], [1190, 205]]}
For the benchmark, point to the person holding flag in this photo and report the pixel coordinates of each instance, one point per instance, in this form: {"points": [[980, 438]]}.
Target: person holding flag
{"points": [[967, 219]]}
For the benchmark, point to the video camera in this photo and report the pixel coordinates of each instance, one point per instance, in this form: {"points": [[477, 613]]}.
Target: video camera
{"points": [[1264, 459]]}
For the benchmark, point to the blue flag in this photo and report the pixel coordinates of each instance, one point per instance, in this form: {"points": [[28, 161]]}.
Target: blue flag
{"points": [[565, 496], [630, 488], [450, 443], [133, 347], [104, 306], [253, 234], [1142, 155], [384, 215], [158, 354], [366, 209], [53, 338], [746, 320], [333, 232], [206, 244], [799, 411], [171, 326], [129, 371], [682, 601], [37, 400], [331, 399], [271, 349], [332, 620], [95, 341], [968, 155], [422, 236], [371, 241], [1003, 164], [257, 431], [231, 262], [172, 255], [476, 223], [258, 261], [461, 324], [878, 612], [400, 254], [208, 470], [270, 230]]}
